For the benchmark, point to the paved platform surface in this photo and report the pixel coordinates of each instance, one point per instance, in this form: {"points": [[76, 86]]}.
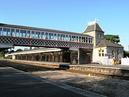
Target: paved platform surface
{"points": [[15, 83]]}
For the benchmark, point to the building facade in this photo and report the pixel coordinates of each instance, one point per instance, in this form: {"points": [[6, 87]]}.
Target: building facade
{"points": [[103, 48]]}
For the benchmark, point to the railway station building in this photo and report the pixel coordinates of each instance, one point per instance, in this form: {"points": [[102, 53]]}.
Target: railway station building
{"points": [[60, 46]]}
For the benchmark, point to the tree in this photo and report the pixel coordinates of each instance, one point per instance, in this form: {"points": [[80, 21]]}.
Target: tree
{"points": [[126, 53], [2, 53], [113, 38], [19, 50]]}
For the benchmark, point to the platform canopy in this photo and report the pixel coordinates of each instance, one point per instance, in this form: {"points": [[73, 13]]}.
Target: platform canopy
{"points": [[43, 50], [4, 46]]}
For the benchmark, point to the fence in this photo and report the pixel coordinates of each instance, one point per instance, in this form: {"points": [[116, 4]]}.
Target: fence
{"points": [[125, 61], [105, 61]]}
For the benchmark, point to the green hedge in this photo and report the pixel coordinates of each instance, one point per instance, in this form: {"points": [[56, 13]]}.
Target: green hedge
{"points": [[1, 55]]}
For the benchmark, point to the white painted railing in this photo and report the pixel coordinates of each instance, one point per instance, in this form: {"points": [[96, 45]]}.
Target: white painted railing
{"points": [[125, 61], [105, 61]]}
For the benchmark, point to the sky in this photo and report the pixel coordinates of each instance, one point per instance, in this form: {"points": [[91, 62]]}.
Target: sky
{"points": [[69, 15]]}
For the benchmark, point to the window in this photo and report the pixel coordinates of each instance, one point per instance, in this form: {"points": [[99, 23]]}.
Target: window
{"points": [[13, 33], [77, 38], [66, 37], [37, 35], [86, 40], [58, 36], [83, 39], [23, 33], [32, 34], [46, 35], [80, 39], [91, 40], [52, 36], [0, 31], [5, 32], [70, 38], [42, 35], [17, 33], [49, 35], [55, 37], [63, 36], [101, 52], [28, 34]]}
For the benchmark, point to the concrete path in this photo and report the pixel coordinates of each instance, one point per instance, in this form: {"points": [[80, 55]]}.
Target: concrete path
{"points": [[15, 83]]}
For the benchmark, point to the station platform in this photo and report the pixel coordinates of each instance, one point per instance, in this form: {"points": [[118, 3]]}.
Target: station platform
{"points": [[119, 71], [15, 83]]}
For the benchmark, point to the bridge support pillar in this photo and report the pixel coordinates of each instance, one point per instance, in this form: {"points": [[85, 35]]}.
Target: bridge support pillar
{"points": [[53, 57], [39, 57], [46, 57], [60, 57], [78, 56], [13, 57]]}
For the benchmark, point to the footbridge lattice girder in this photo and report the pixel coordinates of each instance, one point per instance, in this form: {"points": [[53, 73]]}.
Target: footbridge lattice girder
{"points": [[18, 41]]}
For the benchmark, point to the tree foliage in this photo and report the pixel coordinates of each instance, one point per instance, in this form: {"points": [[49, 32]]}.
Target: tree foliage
{"points": [[19, 50], [2, 53], [113, 38], [126, 53]]}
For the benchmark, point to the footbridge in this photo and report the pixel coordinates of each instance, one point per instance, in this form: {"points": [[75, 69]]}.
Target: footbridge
{"points": [[39, 37], [76, 47]]}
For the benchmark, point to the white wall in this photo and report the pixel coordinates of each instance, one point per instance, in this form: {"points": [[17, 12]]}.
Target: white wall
{"points": [[96, 56]]}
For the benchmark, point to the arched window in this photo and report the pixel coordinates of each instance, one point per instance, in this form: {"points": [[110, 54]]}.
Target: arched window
{"points": [[59, 37], [33, 34], [70, 38], [5, 32], [13, 33], [83, 39], [46, 35], [28, 34], [76, 38], [63, 36], [22, 33], [42, 35], [80, 39], [55, 36], [86, 39], [17, 32]]}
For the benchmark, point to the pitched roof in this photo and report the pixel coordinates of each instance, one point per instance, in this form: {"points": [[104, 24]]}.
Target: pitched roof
{"points": [[93, 27], [106, 43]]}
